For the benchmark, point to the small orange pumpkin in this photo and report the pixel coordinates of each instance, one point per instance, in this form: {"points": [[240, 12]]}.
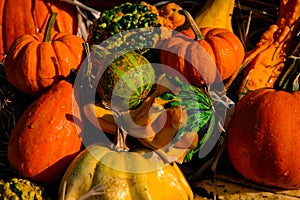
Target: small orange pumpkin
{"points": [[263, 134], [36, 61], [20, 17], [222, 45], [46, 137]]}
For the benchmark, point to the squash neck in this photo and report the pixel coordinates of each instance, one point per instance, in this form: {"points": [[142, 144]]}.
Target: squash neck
{"points": [[49, 27], [288, 79], [193, 25]]}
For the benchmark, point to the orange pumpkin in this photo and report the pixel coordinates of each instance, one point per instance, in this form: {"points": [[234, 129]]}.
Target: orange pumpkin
{"points": [[263, 134], [46, 137], [222, 46], [36, 61], [28, 17]]}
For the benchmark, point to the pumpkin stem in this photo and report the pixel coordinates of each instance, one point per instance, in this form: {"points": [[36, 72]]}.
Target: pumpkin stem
{"points": [[49, 27], [193, 24]]}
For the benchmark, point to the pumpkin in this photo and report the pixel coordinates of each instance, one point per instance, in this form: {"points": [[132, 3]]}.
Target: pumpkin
{"points": [[99, 172], [46, 137], [126, 81], [30, 17], [216, 54], [35, 62], [263, 134], [216, 14], [263, 64]]}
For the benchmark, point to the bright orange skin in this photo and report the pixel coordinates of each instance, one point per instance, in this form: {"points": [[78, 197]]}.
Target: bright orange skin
{"points": [[46, 139], [2, 2], [263, 138], [33, 65], [27, 17], [223, 46]]}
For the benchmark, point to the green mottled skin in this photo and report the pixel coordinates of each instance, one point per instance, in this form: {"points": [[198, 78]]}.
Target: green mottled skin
{"points": [[122, 18], [200, 113], [130, 77]]}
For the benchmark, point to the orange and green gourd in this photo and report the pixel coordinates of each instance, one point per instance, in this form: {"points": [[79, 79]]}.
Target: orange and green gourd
{"points": [[129, 78], [138, 19]]}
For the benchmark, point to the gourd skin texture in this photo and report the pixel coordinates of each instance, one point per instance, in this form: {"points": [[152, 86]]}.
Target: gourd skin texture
{"points": [[170, 17], [263, 137], [30, 17], [46, 138], [129, 78], [21, 189], [89, 170], [32, 65]]}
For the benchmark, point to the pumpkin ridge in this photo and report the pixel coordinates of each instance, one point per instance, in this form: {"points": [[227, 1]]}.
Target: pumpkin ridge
{"points": [[47, 72], [23, 70], [65, 58], [73, 47], [221, 56]]}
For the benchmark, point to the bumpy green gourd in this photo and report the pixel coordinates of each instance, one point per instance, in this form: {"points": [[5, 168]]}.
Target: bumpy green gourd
{"points": [[129, 78], [120, 19], [199, 109], [20, 189]]}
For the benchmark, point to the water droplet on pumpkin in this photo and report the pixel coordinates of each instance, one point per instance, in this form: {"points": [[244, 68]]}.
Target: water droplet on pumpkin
{"points": [[286, 173], [31, 126]]}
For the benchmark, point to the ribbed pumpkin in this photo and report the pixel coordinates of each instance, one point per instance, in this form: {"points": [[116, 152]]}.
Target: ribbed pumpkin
{"points": [[35, 62], [263, 134], [102, 173], [46, 137], [29, 17], [202, 47]]}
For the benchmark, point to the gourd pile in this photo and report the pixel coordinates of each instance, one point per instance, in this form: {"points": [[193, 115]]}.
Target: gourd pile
{"points": [[144, 100]]}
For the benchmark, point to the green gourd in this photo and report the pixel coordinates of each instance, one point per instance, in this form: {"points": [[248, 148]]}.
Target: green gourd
{"points": [[128, 79]]}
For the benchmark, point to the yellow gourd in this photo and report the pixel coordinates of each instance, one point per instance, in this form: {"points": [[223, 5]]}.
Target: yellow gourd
{"points": [[216, 14]]}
